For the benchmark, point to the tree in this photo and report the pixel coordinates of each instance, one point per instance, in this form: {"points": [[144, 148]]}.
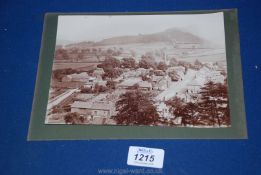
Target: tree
{"points": [[187, 111], [146, 63], [136, 108], [73, 118], [99, 88], [162, 66], [111, 72], [128, 63], [176, 104], [60, 73], [214, 103], [174, 75], [110, 62], [86, 90], [111, 84], [111, 67], [188, 114]]}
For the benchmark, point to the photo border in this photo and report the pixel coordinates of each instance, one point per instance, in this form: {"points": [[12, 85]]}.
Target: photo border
{"points": [[38, 130]]}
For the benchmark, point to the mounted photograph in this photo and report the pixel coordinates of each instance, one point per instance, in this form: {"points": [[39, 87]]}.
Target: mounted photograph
{"points": [[155, 70]]}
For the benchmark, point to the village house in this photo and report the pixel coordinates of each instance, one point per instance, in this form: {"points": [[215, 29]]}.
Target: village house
{"points": [[144, 85], [130, 74], [92, 81], [160, 82], [83, 97], [142, 71], [178, 69], [177, 72], [187, 45], [216, 77], [159, 73], [93, 109], [98, 72], [82, 77], [194, 86], [131, 83]]}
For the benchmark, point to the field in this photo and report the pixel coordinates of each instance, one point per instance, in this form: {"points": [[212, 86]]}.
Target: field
{"points": [[74, 65]]}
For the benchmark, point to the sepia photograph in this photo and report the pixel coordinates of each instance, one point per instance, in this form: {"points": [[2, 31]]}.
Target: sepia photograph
{"points": [[166, 70]]}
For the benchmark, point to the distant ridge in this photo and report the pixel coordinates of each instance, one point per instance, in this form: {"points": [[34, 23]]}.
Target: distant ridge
{"points": [[169, 36]]}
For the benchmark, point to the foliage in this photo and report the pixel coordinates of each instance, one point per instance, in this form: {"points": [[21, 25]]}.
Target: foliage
{"points": [[86, 90], [162, 66], [61, 54], [211, 109], [112, 72], [111, 67], [128, 63], [214, 103], [60, 73], [174, 75], [136, 108], [73, 118], [111, 84], [146, 63], [99, 88]]}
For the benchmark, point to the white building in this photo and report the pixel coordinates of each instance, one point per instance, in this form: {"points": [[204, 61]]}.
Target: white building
{"points": [[98, 72], [94, 109], [82, 77], [160, 82], [130, 83]]}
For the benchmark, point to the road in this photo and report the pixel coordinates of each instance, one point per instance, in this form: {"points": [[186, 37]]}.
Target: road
{"points": [[176, 87], [58, 99]]}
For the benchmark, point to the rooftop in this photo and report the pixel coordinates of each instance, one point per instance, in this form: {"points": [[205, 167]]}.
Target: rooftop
{"points": [[92, 105], [157, 78], [130, 82], [81, 75], [145, 84]]}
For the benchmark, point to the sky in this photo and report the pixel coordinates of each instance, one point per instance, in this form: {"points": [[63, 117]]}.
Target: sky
{"points": [[78, 28]]}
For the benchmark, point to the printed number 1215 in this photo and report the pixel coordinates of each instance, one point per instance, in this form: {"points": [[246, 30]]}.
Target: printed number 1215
{"points": [[142, 157]]}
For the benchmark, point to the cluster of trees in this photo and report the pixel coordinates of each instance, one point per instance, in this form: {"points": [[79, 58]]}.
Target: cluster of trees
{"points": [[97, 89], [148, 63], [211, 108], [74, 118], [111, 67], [60, 73], [128, 63], [110, 85], [174, 75], [136, 108], [67, 54], [61, 54], [196, 65]]}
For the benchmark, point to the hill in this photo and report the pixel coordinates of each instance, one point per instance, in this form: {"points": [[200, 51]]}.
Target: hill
{"points": [[169, 36]]}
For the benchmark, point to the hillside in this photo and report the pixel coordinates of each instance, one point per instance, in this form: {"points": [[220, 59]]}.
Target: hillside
{"points": [[169, 37]]}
